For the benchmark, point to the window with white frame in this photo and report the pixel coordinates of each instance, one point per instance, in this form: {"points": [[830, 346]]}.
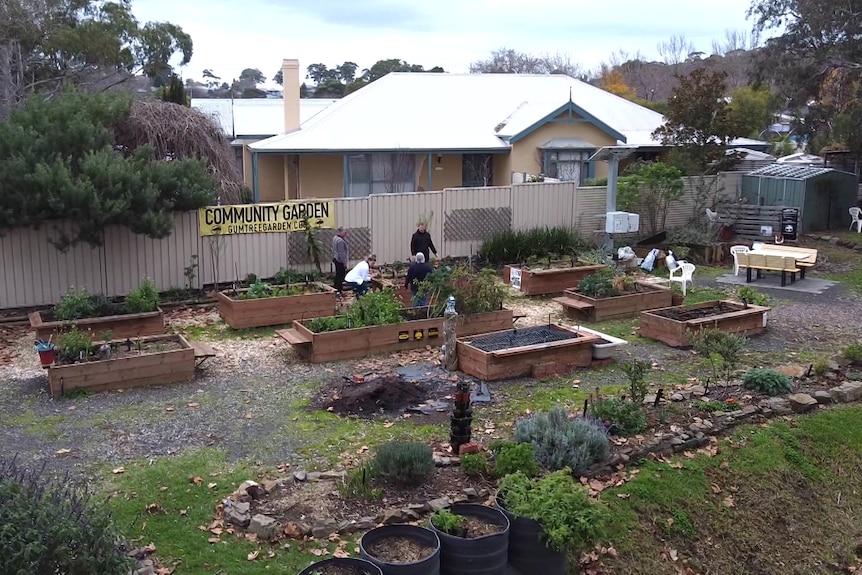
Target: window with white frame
{"points": [[388, 173], [566, 165]]}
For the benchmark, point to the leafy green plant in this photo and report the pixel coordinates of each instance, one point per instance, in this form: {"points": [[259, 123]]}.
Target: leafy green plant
{"points": [[404, 463], [74, 345], [570, 520], [561, 441], [257, 289], [374, 308], [636, 371], [477, 293], [359, 484], [53, 526], [313, 249], [74, 304], [474, 464], [598, 285], [767, 381], [448, 522], [749, 296], [516, 246], [191, 272], [510, 457], [853, 352], [144, 299], [713, 406], [722, 349], [821, 367], [649, 188], [619, 415]]}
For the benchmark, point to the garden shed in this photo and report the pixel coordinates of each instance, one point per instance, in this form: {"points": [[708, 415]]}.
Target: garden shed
{"points": [[822, 195]]}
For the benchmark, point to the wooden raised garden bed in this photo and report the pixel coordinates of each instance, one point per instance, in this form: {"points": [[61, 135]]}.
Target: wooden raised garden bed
{"points": [[556, 279], [239, 313], [674, 325], [537, 351], [364, 341], [157, 360], [120, 326], [648, 296]]}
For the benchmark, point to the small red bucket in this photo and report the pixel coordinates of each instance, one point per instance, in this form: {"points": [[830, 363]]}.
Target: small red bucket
{"points": [[46, 356]]}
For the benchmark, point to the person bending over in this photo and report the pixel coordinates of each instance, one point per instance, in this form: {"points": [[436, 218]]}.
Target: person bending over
{"points": [[360, 276]]}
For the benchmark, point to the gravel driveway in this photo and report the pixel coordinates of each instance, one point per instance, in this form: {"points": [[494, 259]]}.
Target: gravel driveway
{"points": [[244, 399]]}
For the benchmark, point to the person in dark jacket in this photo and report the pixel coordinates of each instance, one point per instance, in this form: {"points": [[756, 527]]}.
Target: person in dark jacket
{"points": [[340, 257], [421, 242], [416, 274]]}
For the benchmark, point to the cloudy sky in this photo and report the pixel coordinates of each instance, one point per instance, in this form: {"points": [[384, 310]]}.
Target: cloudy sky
{"points": [[230, 35]]}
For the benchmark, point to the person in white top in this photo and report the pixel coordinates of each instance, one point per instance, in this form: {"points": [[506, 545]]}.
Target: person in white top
{"points": [[359, 278]]}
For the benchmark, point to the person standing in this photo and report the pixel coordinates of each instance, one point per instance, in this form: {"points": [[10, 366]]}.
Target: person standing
{"points": [[360, 276], [416, 274], [340, 257], [421, 242]]}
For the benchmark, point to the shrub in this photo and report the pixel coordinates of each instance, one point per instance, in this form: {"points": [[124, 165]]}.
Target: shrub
{"points": [[767, 381], [748, 295], [403, 462], [722, 349], [474, 464], [517, 246], [144, 299], [74, 304], [636, 371], [515, 457], [853, 352], [374, 308], [570, 520], [74, 345], [560, 441], [54, 527], [448, 522], [598, 285], [623, 417], [821, 367], [477, 293]]}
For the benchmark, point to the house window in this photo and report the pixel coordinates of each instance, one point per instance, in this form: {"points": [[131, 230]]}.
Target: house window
{"points": [[392, 173], [476, 170], [567, 165]]}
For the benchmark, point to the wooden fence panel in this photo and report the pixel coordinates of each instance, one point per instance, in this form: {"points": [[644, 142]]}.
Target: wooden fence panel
{"points": [[393, 219], [543, 204]]}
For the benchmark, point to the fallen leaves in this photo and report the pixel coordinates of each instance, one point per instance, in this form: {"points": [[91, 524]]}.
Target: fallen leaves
{"points": [[715, 488], [196, 479], [63, 451], [118, 470], [728, 501], [253, 555], [212, 485], [194, 404]]}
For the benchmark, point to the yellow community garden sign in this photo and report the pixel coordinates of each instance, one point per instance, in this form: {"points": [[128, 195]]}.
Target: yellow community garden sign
{"points": [[266, 218]]}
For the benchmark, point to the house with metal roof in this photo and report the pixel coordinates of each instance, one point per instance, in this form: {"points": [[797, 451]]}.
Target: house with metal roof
{"points": [[410, 132]]}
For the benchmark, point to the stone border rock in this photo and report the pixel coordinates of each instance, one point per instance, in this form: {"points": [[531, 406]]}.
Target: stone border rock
{"points": [[837, 241]]}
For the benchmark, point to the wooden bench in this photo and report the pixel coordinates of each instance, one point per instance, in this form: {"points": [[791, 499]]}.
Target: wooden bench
{"points": [[202, 352], [759, 262], [516, 315], [801, 264], [292, 336]]}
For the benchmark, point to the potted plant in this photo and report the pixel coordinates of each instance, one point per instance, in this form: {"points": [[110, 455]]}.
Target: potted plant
{"points": [[549, 517], [402, 549], [46, 351], [473, 539], [342, 566]]}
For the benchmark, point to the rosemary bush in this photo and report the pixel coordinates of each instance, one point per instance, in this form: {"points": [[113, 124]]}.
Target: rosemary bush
{"points": [[560, 441]]}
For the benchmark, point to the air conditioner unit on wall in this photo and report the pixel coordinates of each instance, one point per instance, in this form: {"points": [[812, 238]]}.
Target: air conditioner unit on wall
{"points": [[621, 222]]}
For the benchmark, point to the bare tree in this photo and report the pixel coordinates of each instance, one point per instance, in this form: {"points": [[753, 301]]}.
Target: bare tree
{"points": [[561, 63], [510, 61], [398, 172], [736, 40], [675, 50]]}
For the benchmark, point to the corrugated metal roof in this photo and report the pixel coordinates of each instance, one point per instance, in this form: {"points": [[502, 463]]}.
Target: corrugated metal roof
{"points": [[790, 171], [256, 116], [428, 111]]}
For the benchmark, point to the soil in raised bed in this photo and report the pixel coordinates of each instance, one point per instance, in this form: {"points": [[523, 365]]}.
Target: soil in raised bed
{"points": [[533, 335], [475, 527], [121, 349], [400, 550], [696, 313], [340, 570]]}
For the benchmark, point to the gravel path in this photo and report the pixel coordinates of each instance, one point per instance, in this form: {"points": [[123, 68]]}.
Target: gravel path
{"points": [[244, 399]]}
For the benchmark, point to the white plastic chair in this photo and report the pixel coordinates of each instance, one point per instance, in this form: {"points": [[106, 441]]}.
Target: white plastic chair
{"points": [[737, 250], [686, 273], [711, 216], [855, 214]]}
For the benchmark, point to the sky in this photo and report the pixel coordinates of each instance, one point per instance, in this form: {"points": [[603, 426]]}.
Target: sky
{"points": [[231, 35]]}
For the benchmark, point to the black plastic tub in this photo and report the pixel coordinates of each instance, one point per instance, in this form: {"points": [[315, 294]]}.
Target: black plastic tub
{"points": [[360, 566], [429, 565], [487, 555], [527, 551]]}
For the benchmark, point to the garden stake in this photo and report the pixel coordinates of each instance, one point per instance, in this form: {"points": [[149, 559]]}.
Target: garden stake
{"points": [[586, 404], [658, 397], [808, 373]]}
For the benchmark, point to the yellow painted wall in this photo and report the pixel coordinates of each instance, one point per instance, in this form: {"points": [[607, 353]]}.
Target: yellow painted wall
{"points": [[525, 154], [501, 169], [321, 176], [270, 178], [246, 166], [448, 176]]}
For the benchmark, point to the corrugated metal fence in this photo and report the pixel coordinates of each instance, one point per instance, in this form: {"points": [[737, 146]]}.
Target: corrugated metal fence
{"points": [[35, 273]]}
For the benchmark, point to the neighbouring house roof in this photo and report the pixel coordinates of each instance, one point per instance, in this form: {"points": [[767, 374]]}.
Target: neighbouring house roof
{"points": [[751, 154], [790, 172], [452, 112], [801, 158], [260, 117]]}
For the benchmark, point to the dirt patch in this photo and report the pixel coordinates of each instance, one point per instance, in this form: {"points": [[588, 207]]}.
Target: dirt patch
{"points": [[333, 569], [400, 550], [697, 313], [130, 349], [385, 393], [475, 527]]}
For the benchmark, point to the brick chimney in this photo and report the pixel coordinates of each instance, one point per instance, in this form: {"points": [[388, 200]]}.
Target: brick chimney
{"points": [[290, 83]]}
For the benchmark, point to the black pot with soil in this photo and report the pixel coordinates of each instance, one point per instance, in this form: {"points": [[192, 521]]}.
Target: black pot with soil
{"points": [[527, 551], [402, 550], [342, 566], [481, 545]]}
